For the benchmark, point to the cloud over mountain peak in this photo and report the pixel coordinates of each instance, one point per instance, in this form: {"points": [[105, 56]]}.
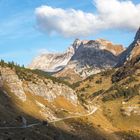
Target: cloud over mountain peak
{"points": [[77, 23]]}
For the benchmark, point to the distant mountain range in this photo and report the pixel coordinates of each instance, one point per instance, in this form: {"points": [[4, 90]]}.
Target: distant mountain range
{"points": [[86, 57], [83, 58]]}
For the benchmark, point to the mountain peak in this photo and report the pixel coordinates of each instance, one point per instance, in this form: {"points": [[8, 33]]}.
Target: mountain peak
{"points": [[116, 49], [81, 56], [132, 53], [79, 42], [137, 36]]}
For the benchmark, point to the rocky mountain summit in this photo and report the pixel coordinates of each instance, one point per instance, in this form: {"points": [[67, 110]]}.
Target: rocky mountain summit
{"points": [[83, 58], [52, 62], [129, 60], [132, 53], [93, 56], [90, 58]]}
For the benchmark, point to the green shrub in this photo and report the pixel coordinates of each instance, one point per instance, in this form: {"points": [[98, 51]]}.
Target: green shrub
{"points": [[126, 93], [28, 74], [95, 94], [99, 81]]}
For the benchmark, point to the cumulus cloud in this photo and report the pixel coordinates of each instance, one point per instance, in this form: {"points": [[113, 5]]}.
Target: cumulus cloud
{"points": [[119, 14], [73, 23], [66, 22]]}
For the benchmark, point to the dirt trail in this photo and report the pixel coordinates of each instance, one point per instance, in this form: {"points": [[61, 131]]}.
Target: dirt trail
{"points": [[57, 120]]}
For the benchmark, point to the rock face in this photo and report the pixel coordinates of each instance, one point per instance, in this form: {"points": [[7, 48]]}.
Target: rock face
{"points": [[51, 91], [128, 111], [128, 60], [93, 56], [52, 62], [83, 58], [36, 91], [132, 53], [10, 80], [90, 57], [43, 87], [114, 48]]}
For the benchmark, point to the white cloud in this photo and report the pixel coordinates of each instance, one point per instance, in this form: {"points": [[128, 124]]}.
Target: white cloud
{"points": [[74, 23], [119, 14], [66, 22]]}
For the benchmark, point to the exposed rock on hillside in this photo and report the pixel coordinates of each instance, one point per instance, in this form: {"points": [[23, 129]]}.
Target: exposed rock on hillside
{"points": [[12, 83], [83, 58], [132, 53], [29, 87], [53, 62], [43, 87], [129, 60], [114, 48], [91, 57]]}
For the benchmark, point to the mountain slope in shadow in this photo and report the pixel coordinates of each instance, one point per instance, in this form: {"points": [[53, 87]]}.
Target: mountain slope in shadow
{"points": [[9, 118]]}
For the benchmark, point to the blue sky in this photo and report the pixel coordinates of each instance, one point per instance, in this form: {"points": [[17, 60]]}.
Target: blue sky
{"points": [[21, 40]]}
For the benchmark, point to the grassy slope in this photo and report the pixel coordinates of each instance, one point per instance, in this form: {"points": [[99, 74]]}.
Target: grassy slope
{"points": [[72, 129], [8, 116], [98, 126], [110, 117], [11, 107]]}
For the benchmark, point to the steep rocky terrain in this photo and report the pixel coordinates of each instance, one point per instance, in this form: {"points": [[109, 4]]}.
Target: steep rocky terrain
{"points": [[83, 58], [132, 53], [90, 58], [46, 93], [52, 62], [129, 60]]}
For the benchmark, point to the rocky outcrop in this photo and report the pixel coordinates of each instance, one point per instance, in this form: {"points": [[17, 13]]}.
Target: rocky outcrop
{"points": [[36, 93], [12, 83], [132, 54], [43, 87], [129, 60], [50, 91], [84, 57], [91, 57], [114, 48], [52, 62], [130, 110]]}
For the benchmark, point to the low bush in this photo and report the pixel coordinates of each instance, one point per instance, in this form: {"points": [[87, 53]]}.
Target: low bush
{"points": [[126, 93]]}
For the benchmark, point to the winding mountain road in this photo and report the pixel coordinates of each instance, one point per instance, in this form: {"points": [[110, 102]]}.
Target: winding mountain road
{"points": [[57, 120]]}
